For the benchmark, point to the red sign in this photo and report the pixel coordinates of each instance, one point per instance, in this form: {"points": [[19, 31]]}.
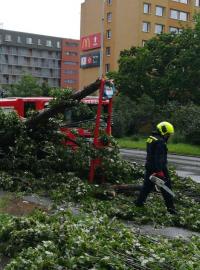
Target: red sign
{"points": [[91, 42]]}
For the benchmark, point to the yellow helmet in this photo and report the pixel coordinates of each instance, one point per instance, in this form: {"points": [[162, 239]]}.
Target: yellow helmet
{"points": [[165, 128]]}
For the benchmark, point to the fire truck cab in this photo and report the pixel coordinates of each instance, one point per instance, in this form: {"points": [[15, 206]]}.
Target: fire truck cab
{"points": [[21, 105]]}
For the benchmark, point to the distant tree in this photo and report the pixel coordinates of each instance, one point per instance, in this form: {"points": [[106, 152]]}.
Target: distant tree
{"points": [[130, 117], [26, 87], [45, 89], [166, 68]]}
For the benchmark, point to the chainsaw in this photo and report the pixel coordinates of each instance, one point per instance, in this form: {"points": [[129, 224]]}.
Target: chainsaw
{"points": [[161, 183]]}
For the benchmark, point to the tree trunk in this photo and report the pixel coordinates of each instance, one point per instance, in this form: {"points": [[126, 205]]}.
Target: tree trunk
{"points": [[110, 191], [127, 189]]}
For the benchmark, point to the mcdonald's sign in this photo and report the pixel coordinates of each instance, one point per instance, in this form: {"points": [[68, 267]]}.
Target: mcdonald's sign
{"points": [[91, 42]]}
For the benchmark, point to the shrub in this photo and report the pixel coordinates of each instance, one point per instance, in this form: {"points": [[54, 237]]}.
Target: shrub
{"points": [[130, 116], [123, 116], [139, 118], [178, 137], [187, 121]]}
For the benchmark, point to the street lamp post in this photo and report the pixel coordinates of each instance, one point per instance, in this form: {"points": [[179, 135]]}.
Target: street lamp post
{"points": [[102, 41]]}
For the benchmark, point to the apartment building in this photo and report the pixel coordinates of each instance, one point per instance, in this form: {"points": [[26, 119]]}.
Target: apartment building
{"points": [[49, 59], [127, 23]]}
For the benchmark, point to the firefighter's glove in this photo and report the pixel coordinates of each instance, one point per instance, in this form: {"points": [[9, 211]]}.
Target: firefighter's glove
{"points": [[159, 174]]}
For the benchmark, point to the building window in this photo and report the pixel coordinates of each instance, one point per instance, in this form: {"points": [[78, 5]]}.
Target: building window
{"points": [[109, 2], [1, 40], [146, 8], [29, 40], [58, 44], [19, 39], [8, 37], [70, 63], [175, 30], [146, 27], [174, 14], [70, 71], [39, 42], [108, 34], [183, 16], [159, 28], [182, 1], [71, 53], [48, 43], [197, 3], [109, 17], [108, 51], [107, 68], [71, 44], [160, 11], [70, 81], [178, 15]]}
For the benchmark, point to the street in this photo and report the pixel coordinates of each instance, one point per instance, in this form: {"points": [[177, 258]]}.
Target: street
{"points": [[185, 166]]}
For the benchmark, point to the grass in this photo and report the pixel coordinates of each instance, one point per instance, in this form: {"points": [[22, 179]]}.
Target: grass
{"points": [[178, 148], [4, 201]]}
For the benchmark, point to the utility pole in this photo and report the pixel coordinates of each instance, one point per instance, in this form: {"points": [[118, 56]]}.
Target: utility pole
{"points": [[102, 41]]}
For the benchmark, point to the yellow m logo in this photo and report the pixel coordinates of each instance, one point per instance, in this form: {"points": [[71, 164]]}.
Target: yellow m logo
{"points": [[85, 43]]}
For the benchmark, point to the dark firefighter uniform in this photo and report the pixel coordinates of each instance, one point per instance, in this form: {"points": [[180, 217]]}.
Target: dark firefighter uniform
{"points": [[156, 163]]}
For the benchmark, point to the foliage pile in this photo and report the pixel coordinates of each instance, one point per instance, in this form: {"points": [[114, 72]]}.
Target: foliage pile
{"points": [[65, 241], [37, 161], [122, 207]]}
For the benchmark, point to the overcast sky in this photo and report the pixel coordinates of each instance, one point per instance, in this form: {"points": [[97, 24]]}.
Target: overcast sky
{"points": [[59, 18]]}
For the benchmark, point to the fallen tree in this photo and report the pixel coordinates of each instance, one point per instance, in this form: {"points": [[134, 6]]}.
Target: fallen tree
{"points": [[7, 136], [37, 162], [44, 115], [35, 144]]}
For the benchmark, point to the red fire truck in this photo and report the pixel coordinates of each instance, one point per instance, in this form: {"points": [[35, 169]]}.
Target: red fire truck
{"points": [[102, 103]]}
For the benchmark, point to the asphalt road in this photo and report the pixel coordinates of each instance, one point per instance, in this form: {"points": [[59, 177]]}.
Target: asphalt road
{"points": [[185, 166]]}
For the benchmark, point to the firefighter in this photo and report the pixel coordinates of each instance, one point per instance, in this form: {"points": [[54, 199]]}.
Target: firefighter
{"points": [[156, 164]]}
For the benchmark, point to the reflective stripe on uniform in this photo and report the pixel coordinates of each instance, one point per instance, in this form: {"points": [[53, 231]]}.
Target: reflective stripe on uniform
{"points": [[151, 139]]}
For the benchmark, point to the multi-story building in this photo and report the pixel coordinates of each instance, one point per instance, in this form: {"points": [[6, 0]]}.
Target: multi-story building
{"points": [[70, 63], [49, 59], [127, 23]]}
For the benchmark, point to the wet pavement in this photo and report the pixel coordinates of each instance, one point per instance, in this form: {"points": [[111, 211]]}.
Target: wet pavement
{"points": [[20, 206], [170, 232], [38, 200], [185, 166]]}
